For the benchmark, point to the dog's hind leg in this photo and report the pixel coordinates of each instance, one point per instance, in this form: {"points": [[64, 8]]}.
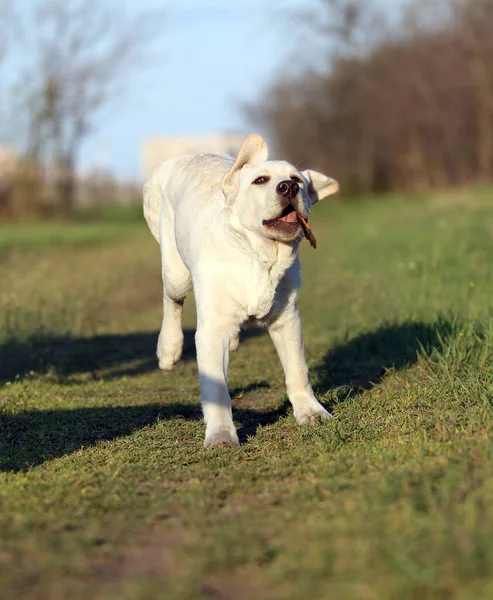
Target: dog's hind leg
{"points": [[177, 283], [170, 341], [234, 344], [159, 213]]}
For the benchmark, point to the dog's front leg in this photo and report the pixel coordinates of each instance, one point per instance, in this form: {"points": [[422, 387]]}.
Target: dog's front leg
{"points": [[286, 334], [212, 340]]}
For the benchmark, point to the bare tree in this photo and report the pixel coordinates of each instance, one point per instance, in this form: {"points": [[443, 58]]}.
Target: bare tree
{"points": [[474, 20], [349, 27], [6, 12], [412, 110], [82, 50]]}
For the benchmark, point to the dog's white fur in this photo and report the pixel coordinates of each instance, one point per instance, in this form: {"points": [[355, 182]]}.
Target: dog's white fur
{"points": [[208, 217]]}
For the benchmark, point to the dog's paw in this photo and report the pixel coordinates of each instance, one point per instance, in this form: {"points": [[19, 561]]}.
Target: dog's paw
{"points": [[221, 437], [167, 362], [169, 348], [168, 357], [312, 415]]}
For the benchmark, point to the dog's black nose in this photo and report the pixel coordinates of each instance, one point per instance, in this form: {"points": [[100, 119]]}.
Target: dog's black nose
{"points": [[288, 188]]}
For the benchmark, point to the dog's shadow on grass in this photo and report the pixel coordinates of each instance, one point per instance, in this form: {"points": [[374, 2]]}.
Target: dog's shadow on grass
{"points": [[358, 363], [30, 438], [106, 357], [64, 356]]}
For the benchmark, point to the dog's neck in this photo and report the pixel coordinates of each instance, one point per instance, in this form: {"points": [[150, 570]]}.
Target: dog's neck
{"points": [[269, 254], [269, 262], [272, 253]]}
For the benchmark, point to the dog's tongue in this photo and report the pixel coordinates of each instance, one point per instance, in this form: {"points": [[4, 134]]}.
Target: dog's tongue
{"points": [[289, 218]]}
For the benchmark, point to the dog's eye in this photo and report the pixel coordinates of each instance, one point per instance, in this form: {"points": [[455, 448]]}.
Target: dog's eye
{"points": [[261, 180], [297, 179]]}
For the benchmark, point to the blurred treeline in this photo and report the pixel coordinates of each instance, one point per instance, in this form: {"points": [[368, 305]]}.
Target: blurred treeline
{"points": [[62, 64], [30, 191], [404, 100]]}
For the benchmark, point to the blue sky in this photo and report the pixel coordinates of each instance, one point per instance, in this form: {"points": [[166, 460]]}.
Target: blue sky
{"points": [[211, 55]]}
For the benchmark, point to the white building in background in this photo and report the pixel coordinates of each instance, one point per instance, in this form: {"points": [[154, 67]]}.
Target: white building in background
{"points": [[156, 150], [9, 161]]}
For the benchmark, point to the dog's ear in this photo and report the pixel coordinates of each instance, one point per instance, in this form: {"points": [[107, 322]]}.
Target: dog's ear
{"points": [[319, 186], [253, 151]]}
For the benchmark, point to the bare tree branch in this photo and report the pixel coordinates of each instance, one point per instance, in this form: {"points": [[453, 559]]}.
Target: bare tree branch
{"points": [[6, 20], [412, 110], [83, 50], [350, 27]]}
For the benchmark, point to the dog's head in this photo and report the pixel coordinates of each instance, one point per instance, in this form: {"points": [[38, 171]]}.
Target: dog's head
{"points": [[268, 194]]}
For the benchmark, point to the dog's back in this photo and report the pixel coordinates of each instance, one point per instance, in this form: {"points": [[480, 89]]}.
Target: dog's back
{"points": [[153, 192], [174, 176]]}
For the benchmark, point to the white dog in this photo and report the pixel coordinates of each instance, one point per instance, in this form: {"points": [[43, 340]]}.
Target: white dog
{"points": [[231, 228]]}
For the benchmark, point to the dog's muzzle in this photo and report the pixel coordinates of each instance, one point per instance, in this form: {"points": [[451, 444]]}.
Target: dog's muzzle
{"points": [[288, 189]]}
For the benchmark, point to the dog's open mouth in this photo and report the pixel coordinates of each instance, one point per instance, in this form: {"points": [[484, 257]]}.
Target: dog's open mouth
{"points": [[288, 215], [290, 218]]}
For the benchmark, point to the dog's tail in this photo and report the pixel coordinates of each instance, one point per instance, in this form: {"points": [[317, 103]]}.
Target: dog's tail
{"points": [[154, 191], [153, 194]]}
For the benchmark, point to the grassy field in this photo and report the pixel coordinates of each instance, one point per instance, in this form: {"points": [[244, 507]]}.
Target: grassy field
{"points": [[114, 224], [107, 492]]}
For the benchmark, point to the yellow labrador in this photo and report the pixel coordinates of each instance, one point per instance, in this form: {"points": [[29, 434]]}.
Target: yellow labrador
{"points": [[231, 229]]}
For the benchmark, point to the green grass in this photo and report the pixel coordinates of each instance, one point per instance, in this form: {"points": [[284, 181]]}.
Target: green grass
{"points": [[106, 224], [106, 491]]}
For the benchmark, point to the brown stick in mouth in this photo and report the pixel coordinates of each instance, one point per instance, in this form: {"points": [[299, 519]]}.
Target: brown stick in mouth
{"points": [[308, 232]]}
